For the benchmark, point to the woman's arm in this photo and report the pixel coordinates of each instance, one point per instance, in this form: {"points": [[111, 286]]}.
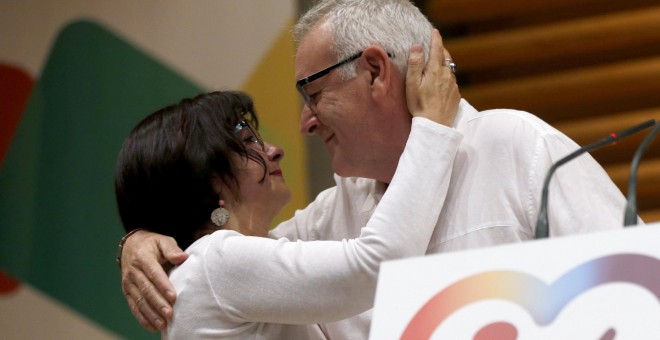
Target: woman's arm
{"points": [[276, 281], [265, 280]]}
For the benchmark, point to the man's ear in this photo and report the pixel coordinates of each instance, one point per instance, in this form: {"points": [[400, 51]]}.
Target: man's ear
{"points": [[376, 61]]}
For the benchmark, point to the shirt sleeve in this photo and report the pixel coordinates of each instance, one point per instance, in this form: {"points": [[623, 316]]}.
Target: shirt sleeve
{"points": [[264, 280]]}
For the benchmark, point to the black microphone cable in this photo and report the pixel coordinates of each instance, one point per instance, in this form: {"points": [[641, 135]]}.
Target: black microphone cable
{"points": [[542, 225], [630, 217]]}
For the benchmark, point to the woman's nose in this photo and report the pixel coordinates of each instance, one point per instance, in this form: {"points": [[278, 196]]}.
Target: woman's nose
{"points": [[274, 152]]}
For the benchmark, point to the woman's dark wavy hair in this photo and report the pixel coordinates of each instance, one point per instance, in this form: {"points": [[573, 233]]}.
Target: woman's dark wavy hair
{"points": [[164, 169]]}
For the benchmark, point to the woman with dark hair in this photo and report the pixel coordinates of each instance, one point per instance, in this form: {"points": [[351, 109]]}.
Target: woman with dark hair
{"points": [[199, 171], [177, 163]]}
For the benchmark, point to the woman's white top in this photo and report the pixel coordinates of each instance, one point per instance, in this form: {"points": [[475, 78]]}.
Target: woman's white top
{"points": [[236, 286]]}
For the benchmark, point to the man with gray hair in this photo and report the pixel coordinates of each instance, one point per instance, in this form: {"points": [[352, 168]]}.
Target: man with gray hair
{"points": [[351, 66]]}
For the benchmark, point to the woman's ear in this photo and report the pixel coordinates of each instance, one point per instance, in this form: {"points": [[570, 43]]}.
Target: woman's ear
{"points": [[219, 186], [376, 61], [225, 191], [216, 183]]}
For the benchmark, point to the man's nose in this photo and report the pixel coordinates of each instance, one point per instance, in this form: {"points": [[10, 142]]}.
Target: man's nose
{"points": [[309, 122]]}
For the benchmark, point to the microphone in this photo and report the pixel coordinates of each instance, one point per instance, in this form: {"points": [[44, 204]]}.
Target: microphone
{"points": [[542, 229], [630, 217]]}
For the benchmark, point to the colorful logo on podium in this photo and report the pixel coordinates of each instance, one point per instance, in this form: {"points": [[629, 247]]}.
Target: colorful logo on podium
{"points": [[542, 301]]}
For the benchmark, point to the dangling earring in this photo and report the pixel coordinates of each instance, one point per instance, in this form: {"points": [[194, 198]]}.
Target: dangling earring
{"points": [[220, 215]]}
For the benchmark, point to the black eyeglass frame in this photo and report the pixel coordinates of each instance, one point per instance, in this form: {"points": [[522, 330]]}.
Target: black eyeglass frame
{"points": [[304, 81], [246, 124]]}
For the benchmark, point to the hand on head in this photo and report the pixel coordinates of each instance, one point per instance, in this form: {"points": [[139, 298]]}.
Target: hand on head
{"points": [[145, 284], [431, 88]]}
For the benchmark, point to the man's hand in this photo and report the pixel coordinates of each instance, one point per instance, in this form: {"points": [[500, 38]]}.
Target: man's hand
{"points": [[431, 89], [150, 295]]}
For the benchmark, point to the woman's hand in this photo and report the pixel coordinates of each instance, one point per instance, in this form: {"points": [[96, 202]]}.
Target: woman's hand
{"points": [[431, 88], [148, 291]]}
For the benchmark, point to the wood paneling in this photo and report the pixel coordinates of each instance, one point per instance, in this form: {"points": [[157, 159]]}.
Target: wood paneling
{"points": [[577, 93], [588, 67], [564, 40]]}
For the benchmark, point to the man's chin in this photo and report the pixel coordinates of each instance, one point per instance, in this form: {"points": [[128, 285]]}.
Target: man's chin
{"points": [[344, 170]]}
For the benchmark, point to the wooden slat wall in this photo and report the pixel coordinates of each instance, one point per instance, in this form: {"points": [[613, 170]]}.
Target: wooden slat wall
{"points": [[588, 67]]}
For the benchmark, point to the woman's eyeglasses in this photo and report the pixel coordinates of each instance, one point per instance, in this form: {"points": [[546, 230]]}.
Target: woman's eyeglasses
{"points": [[248, 134]]}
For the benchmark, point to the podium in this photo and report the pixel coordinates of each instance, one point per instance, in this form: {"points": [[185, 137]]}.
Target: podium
{"points": [[603, 285]]}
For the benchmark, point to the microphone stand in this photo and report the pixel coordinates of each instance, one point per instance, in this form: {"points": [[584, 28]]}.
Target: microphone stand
{"points": [[542, 225], [630, 217]]}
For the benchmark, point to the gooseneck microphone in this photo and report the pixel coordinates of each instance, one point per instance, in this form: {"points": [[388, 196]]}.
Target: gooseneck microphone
{"points": [[630, 217], [542, 228]]}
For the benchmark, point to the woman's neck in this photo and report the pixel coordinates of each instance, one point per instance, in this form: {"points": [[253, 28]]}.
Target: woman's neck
{"points": [[247, 226], [248, 220]]}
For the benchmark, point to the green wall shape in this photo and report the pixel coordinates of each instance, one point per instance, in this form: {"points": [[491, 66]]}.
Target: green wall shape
{"points": [[58, 215]]}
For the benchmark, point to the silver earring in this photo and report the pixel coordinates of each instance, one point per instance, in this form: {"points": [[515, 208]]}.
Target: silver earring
{"points": [[220, 215]]}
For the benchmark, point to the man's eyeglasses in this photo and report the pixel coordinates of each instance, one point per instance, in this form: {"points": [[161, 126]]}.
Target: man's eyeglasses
{"points": [[248, 134], [300, 84]]}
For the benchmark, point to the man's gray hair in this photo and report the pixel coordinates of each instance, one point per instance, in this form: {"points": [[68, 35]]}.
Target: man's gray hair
{"points": [[394, 25]]}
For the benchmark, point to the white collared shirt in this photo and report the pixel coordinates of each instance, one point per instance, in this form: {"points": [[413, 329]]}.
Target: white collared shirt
{"points": [[493, 196]]}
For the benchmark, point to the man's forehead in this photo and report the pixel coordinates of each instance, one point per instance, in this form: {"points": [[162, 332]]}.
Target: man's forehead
{"points": [[314, 51]]}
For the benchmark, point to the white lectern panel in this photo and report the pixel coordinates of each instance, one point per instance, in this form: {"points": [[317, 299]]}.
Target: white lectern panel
{"points": [[602, 285]]}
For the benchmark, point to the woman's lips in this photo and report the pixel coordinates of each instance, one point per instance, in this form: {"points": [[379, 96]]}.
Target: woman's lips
{"points": [[276, 173]]}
